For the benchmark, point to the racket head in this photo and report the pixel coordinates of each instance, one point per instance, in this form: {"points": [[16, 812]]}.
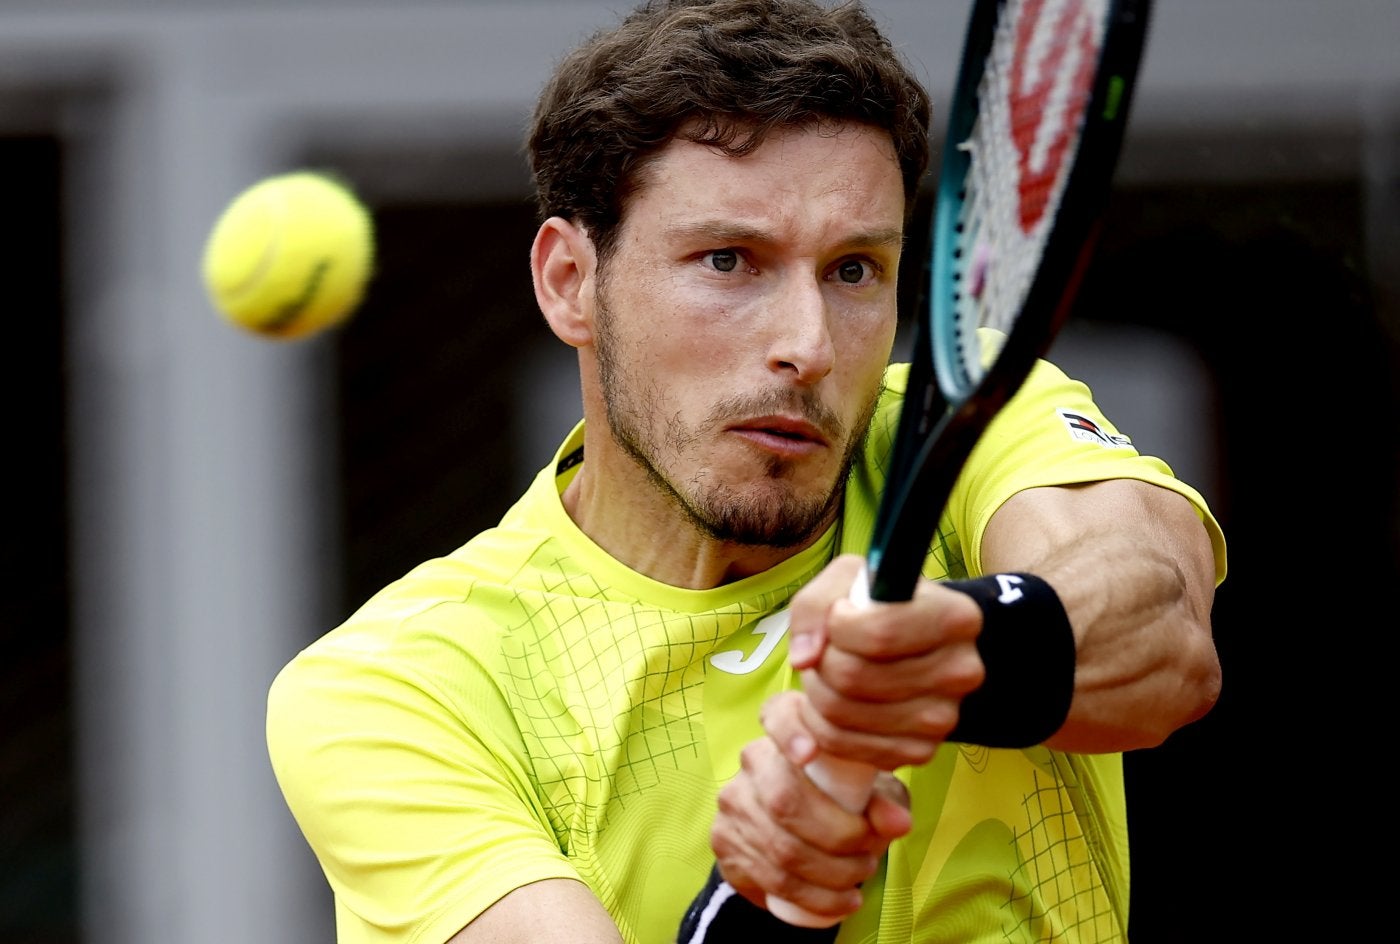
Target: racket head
{"points": [[1034, 131]]}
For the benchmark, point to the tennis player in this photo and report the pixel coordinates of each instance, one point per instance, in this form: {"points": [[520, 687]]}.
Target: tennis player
{"points": [[553, 733]]}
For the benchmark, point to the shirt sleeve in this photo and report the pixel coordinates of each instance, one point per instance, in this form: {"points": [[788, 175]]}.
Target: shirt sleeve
{"points": [[1052, 433], [414, 795]]}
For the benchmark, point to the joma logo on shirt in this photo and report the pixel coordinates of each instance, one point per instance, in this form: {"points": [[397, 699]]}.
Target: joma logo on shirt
{"points": [[771, 628]]}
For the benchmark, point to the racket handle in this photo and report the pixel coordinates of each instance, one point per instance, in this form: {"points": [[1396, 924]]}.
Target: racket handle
{"points": [[848, 782]]}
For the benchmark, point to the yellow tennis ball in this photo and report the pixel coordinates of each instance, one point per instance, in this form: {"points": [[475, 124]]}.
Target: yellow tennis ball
{"points": [[290, 256]]}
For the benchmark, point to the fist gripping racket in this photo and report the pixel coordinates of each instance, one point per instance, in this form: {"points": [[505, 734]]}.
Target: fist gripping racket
{"points": [[1033, 136]]}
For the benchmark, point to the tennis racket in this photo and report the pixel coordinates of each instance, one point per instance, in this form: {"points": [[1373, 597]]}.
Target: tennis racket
{"points": [[1034, 130]]}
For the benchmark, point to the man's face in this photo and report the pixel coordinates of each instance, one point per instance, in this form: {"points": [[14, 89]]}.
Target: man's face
{"points": [[744, 321]]}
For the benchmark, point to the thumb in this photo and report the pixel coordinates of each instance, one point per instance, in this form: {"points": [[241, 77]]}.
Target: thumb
{"points": [[888, 811]]}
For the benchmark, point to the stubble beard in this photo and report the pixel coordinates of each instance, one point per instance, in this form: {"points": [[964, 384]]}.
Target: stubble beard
{"points": [[775, 515]]}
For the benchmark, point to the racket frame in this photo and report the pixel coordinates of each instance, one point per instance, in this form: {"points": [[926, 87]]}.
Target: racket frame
{"points": [[938, 428]]}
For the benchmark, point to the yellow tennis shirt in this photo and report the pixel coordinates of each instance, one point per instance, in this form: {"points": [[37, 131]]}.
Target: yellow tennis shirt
{"points": [[529, 708]]}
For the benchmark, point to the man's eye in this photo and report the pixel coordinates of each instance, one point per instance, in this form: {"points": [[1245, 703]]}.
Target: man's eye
{"points": [[852, 272], [724, 260]]}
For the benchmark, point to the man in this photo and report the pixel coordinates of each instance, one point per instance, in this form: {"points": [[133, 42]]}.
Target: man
{"points": [[527, 740]]}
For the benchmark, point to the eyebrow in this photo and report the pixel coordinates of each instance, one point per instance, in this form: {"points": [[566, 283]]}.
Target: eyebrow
{"points": [[725, 232]]}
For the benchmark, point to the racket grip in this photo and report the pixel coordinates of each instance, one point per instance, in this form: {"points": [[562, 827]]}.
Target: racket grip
{"points": [[848, 782]]}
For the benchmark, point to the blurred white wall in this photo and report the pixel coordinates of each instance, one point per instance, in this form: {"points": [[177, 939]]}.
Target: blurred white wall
{"points": [[199, 468]]}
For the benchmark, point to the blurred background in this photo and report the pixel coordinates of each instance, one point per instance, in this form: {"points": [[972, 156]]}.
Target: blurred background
{"points": [[189, 504]]}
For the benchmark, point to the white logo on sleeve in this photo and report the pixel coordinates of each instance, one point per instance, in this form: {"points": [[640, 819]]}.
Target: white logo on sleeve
{"points": [[772, 628]]}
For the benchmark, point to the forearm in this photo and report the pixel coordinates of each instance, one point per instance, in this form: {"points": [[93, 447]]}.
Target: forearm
{"points": [[1133, 567]]}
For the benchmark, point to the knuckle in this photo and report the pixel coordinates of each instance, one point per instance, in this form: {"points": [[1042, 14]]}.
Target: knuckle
{"points": [[751, 755], [970, 672], [720, 842], [882, 635], [786, 808], [842, 675], [787, 854], [852, 678], [938, 718]]}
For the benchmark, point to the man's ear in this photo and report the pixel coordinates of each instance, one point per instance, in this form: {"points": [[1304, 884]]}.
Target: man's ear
{"points": [[564, 263]]}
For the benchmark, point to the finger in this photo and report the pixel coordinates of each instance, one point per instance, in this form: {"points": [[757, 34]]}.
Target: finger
{"points": [[888, 811], [882, 748], [926, 709], [882, 632], [812, 605], [797, 807], [950, 671], [776, 831], [782, 719]]}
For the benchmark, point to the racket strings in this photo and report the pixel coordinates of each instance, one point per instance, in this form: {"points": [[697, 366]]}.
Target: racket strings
{"points": [[1034, 91]]}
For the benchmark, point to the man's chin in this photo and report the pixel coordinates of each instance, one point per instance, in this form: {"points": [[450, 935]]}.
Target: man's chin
{"points": [[766, 516]]}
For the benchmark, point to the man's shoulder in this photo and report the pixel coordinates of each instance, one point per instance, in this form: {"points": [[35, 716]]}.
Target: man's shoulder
{"points": [[896, 379]]}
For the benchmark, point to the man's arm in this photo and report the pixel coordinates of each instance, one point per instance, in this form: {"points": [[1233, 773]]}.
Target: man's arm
{"points": [[555, 911], [1133, 567]]}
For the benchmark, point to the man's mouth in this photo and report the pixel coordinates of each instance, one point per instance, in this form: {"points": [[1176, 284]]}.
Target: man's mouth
{"points": [[781, 434]]}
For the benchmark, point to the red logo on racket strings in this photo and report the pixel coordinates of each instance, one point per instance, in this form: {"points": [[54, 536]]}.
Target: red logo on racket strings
{"points": [[1051, 74]]}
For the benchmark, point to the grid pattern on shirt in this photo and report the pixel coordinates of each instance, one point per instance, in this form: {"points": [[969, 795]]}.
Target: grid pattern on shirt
{"points": [[1058, 886], [609, 692]]}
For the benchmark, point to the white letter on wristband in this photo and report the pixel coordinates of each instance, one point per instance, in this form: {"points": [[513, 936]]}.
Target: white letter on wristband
{"points": [[1027, 650]]}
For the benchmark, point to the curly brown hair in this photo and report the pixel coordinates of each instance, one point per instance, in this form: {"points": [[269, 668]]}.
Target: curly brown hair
{"points": [[722, 73]]}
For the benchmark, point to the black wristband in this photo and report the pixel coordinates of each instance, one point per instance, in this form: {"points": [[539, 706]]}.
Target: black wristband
{"points": [[1027, 649], [720, 914]]}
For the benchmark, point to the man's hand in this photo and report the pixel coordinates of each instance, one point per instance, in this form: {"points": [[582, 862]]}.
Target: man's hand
{"points": [[777, 833], [884, 682]]}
